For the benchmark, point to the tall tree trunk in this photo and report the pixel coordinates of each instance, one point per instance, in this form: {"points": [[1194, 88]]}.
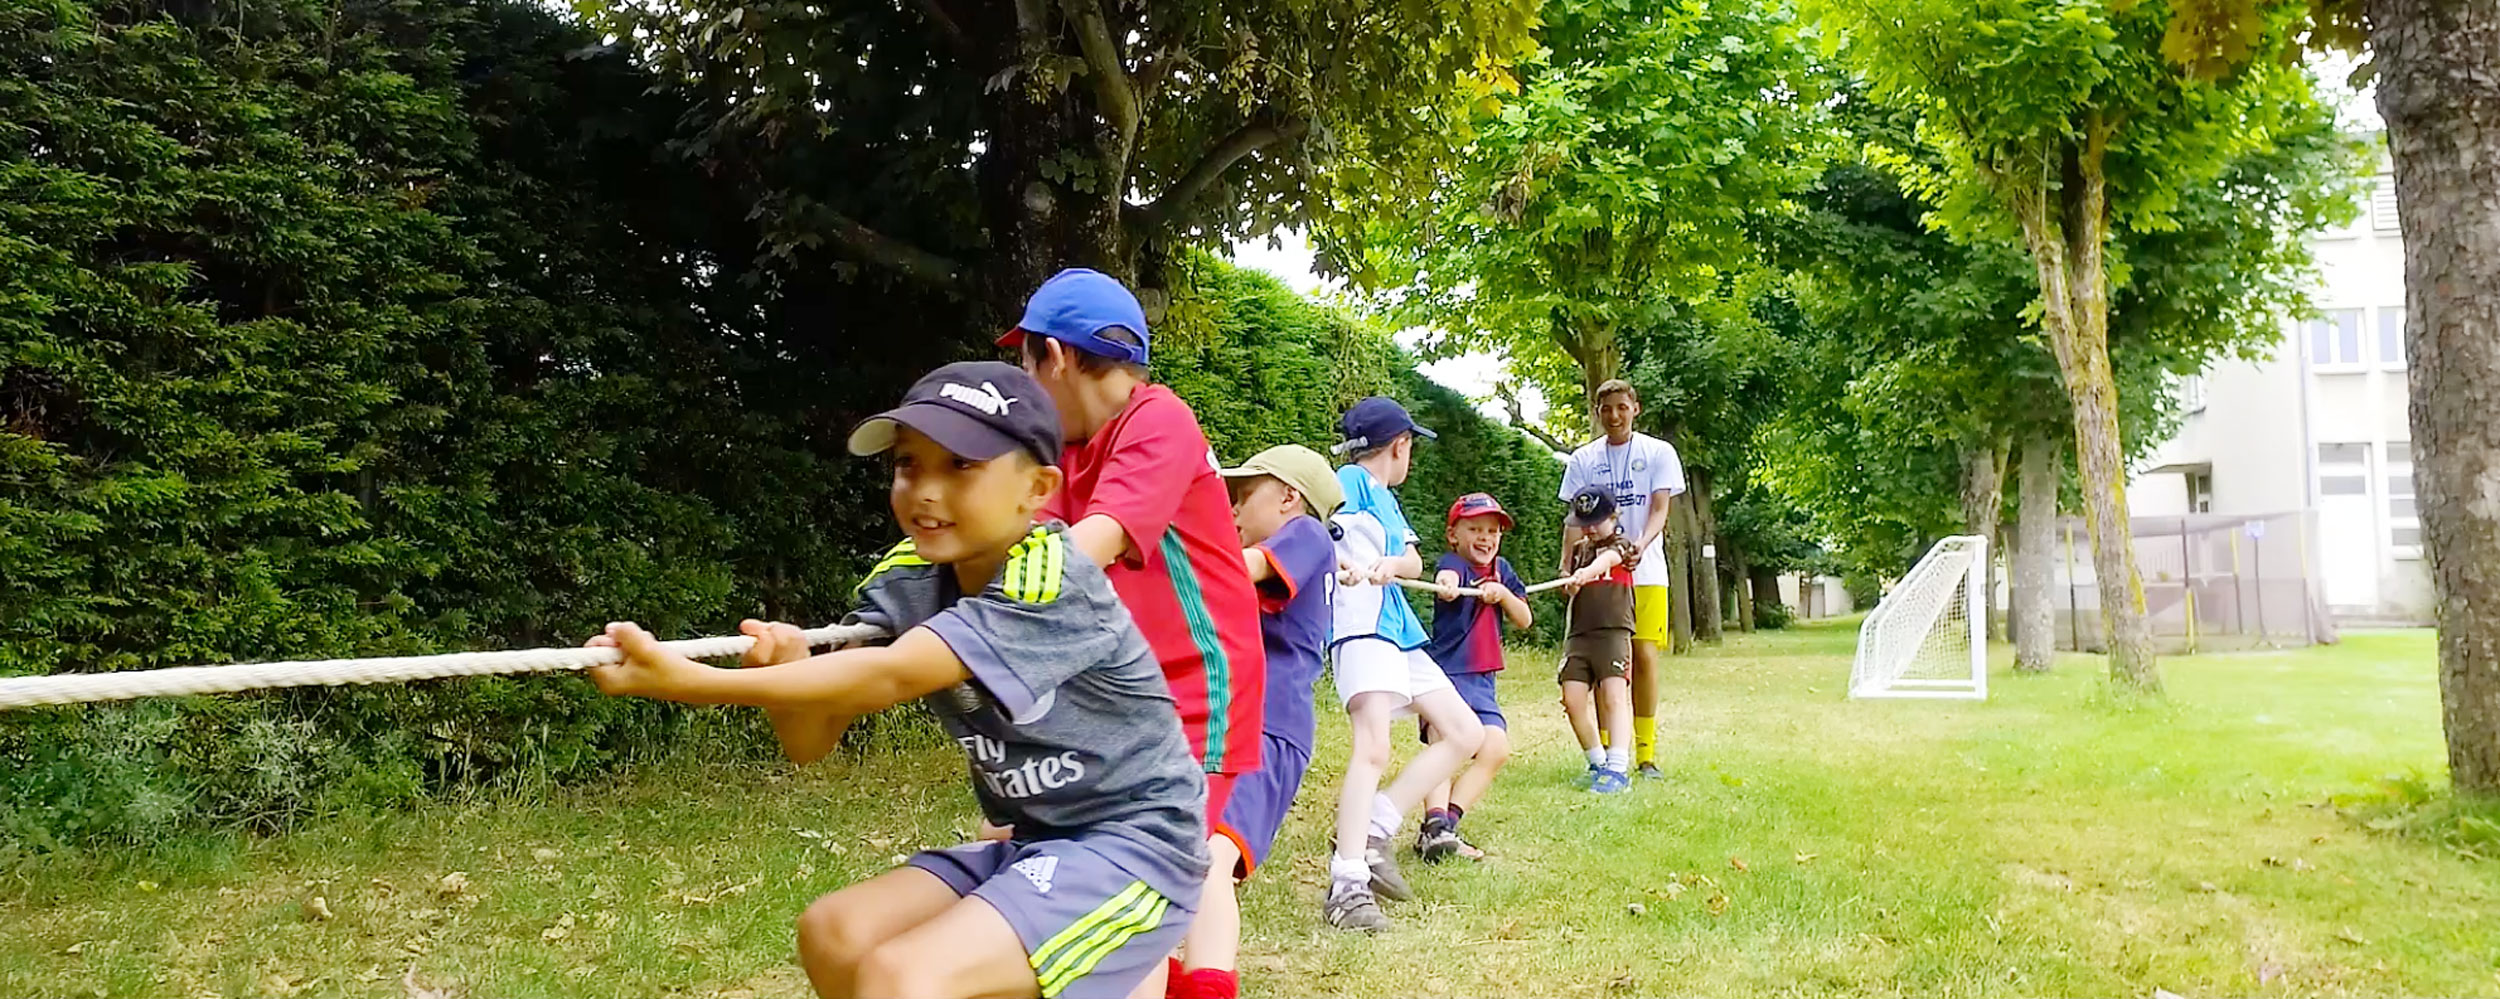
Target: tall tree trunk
{"points": [[1679, 544], [2035, 541], [1705, 572], [2440, 95], [1983, 498], [1038, 226], [2065, 223], [1764, 583], [1740, 587]]}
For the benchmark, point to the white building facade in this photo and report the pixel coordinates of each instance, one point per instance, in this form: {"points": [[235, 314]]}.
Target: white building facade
{"points": [[2320, 426]]}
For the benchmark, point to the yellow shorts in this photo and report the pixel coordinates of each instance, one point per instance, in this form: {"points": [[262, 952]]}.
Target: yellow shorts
{"points": [[1649, 614]]}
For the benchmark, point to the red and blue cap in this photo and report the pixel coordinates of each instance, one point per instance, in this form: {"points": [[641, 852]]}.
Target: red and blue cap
{"points": [[1074, 307], [1479, 505]]}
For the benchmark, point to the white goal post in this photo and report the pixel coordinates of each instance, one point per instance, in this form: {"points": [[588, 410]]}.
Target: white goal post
{"points": [[1928, 637]]}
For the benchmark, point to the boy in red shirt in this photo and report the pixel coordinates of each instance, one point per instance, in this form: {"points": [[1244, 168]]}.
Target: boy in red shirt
{"points": [[1144, 501]]}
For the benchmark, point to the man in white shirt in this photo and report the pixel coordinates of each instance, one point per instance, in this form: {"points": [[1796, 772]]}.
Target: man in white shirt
{"points": [[1645, 476]]}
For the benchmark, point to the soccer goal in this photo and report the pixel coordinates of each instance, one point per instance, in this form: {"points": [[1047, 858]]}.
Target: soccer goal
{"points": [[1928, 637]]}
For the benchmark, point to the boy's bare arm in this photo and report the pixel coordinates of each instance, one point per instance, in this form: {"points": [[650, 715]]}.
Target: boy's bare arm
{"points": [[1515, 610], [1660, 504], [1101, 538], [849, 682], [1255, 560]]}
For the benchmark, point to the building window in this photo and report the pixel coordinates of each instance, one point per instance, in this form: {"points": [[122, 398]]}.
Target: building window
{"points": [[2343, 485], [2343, 454], [2391, 337], [2192, 394], [2335, 340], [2200, 490], [2383, 204], [2404, 516]]}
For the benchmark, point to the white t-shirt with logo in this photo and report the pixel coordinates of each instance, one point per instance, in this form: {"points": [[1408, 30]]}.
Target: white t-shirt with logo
{"points": [[1634, 470]]}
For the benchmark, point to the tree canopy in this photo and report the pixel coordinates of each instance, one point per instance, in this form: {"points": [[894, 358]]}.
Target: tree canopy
{"points": [[972, 149]]}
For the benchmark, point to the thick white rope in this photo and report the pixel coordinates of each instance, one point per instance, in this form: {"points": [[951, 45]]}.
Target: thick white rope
{"points": [[80, 688], [74, 688], [1470, 591]]}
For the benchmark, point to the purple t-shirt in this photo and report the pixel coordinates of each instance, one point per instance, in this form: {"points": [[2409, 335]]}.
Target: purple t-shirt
{"points": [[1293, 622], [1467, 632]]}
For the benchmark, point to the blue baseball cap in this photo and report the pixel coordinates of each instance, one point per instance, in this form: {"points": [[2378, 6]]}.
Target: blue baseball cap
{"points": [[1074, 307], [1374, 422]]}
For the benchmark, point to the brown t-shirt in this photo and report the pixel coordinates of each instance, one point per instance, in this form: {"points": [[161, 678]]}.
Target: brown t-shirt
{"points": [[1607, 603]]}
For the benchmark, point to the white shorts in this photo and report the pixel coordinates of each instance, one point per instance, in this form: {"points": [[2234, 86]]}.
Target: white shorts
{"points": [[1378, 666]]}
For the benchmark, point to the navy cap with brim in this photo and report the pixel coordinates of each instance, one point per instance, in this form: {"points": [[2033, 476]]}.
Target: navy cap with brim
{"points": [[1589, 507], [961, 434]]}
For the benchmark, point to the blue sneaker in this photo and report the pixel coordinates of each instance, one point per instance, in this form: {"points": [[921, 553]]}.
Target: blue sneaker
{"points": [[1589, 777], [1611, 782]]}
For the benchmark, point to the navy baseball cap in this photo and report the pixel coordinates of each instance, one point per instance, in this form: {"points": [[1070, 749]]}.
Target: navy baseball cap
{"points": [[1074, 307], [976, 409], [1590, 507], [1374, 422]]}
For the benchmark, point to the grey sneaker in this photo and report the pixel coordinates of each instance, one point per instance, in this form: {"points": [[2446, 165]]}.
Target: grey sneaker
{"points": [[1650, 771], [1351, 907], [1386, 881], [1437, 841]]}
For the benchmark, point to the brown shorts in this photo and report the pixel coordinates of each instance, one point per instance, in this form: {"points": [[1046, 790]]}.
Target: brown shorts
{"points": [[1592, 656]]}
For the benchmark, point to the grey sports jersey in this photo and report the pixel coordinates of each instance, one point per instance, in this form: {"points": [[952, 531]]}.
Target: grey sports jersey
{"points": [[1069, 727]]}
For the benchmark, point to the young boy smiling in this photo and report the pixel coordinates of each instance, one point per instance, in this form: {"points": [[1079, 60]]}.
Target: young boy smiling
{"points": [[1016, 642], [1467, 643]]}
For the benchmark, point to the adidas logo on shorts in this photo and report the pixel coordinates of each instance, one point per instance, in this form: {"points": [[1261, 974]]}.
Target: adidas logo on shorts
{"points": [[1037, 870]]}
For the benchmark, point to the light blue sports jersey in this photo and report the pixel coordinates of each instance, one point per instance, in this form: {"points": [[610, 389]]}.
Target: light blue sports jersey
{"points": [[1371, 527]]}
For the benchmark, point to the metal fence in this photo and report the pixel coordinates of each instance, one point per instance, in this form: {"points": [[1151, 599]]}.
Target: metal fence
{"points": [[2212, 583]]}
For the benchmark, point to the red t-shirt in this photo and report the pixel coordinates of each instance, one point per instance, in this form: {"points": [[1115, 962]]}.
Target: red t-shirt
{"points": [[1150, 469]]}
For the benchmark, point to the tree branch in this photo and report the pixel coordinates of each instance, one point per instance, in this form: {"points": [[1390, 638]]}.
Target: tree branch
{"points": [[1232, 149], [947, 25], [1510, 402], [1103, 68], [903, 259]]}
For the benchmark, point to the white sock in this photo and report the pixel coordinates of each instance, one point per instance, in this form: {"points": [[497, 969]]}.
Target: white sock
{"points": [[1597, 757], [1619, 759], [1385, 817], [1356, 871]]}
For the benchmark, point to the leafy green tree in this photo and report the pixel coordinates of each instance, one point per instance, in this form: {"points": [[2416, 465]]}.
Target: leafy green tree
{"points": [[972, 149], [1609, 203], [1612, 192], [2060, 123]]}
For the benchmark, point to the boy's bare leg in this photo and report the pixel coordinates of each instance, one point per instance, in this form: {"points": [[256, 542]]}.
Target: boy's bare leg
{"points": [[839, 930], [1581, 709], [1644, 693], [1461, 735], [1368, 714], [1617, 696], [1469, 788], [1438, 797], [967, 950], [1214, 939]]}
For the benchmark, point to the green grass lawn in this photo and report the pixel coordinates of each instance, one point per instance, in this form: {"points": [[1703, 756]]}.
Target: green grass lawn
{"points": [[2050, 841]]}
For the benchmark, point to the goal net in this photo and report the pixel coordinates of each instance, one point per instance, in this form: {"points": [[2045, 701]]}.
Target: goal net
{"points": [[1926, 638]]}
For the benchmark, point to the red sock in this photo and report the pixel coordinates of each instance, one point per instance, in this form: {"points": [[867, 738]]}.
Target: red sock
{"points": [[1175, 981], [1210, 983]]}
